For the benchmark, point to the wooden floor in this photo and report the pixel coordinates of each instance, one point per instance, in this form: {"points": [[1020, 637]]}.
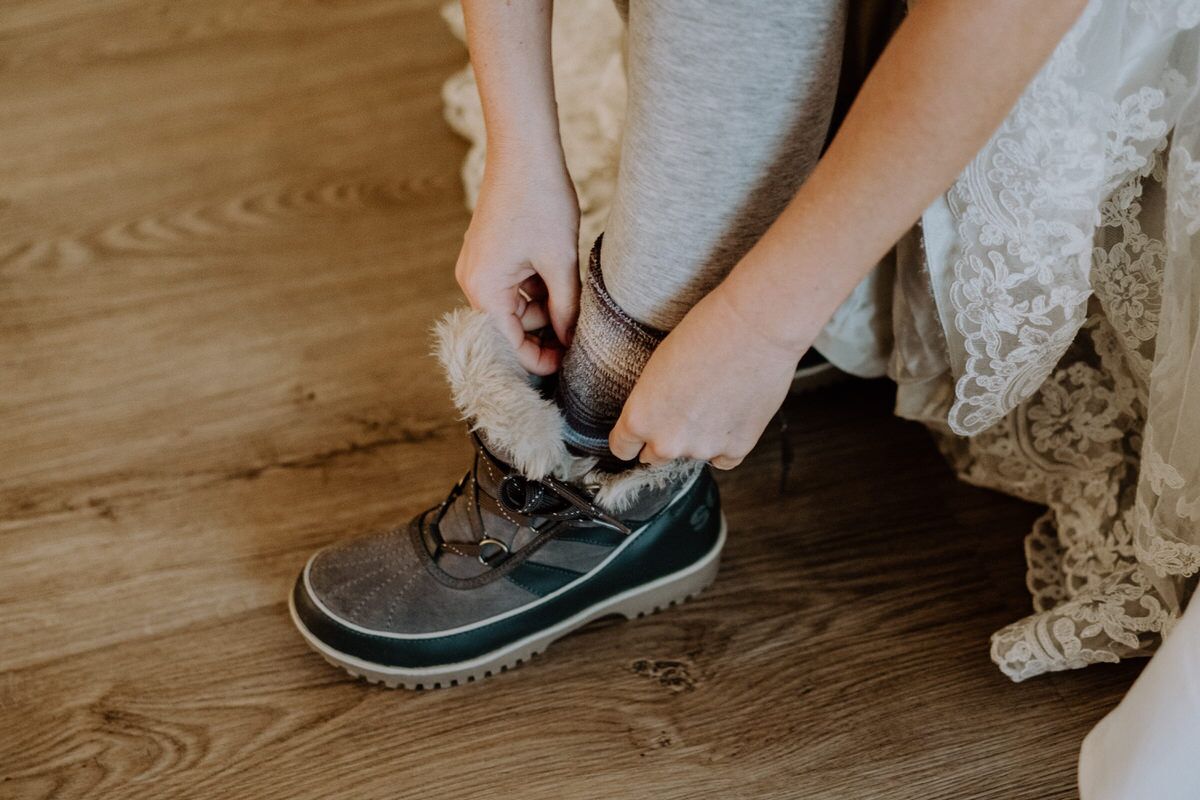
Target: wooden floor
{"points": [[225, 228]]}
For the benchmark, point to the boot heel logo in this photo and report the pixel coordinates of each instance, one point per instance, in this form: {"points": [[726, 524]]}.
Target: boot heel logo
{"points": [[699, 517]]}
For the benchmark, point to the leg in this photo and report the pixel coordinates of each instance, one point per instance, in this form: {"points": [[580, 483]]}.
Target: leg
{"points": [[729, 105], [729, 100]]}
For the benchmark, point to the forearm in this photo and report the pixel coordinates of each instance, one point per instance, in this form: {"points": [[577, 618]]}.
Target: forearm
{"points": [[946, 81], [509, 43]]}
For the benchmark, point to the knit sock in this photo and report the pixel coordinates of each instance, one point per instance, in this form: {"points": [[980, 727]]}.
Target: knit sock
{"points": [[606, 356]]}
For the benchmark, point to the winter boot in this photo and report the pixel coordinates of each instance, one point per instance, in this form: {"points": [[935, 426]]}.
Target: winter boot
{"points": [[531, 544]]}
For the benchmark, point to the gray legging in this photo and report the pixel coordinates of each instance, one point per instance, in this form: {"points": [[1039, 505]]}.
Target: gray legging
{"points": [[729, 105]]}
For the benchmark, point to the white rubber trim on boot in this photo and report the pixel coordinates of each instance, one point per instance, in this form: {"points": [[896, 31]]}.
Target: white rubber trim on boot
{"points": [[635, 602]]}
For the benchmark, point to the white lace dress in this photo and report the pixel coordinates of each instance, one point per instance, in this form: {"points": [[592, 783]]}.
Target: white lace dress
{"points": [[1043, 318]]}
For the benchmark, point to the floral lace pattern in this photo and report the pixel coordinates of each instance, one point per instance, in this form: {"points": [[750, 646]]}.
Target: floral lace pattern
{"points": [[1068, 315], [1083, 404], [1028, 207]]}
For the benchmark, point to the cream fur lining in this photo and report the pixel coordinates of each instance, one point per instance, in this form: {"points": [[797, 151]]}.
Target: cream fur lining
{"points": [[498, 399]]}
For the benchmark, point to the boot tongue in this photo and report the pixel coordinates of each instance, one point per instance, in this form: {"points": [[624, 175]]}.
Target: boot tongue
{"points": [[504, 483], [459, 523]]}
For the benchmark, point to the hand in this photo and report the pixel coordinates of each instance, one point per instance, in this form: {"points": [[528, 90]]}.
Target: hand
{"points": [[708, 391], [520, 259]]}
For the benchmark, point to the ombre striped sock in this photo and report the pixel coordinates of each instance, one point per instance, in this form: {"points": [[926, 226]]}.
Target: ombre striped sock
{"points": [[607, 354]]}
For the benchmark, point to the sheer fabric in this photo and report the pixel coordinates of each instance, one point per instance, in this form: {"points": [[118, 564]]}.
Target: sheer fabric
{"points": [[1061, 265], [1042, 319]]}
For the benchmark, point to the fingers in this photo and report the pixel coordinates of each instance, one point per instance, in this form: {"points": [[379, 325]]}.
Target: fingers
{"points": [[525, 316], [535, 354], [562, 286], [533, 316], [521, 315], [627, 441], [623, 443], [652, 456], [725, 462], [627, 445], [532, 289]]}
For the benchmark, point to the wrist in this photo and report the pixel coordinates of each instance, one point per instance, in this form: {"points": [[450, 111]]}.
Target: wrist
{"points": [[526, 160], [524, 136], [777, 324]]}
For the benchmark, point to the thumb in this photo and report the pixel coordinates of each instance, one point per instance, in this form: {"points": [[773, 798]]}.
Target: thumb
{"points": [[623, 443], [562, 285]]}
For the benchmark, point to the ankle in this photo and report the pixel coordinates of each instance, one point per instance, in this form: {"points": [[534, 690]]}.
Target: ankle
{"points": [[600, 368]]}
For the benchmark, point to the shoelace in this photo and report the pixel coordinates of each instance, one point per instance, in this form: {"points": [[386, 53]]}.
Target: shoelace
{"points": [[544, 505]]}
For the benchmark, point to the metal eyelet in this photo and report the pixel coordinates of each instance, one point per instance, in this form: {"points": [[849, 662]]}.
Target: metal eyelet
{"points": [[513, 492], [487, 560]]}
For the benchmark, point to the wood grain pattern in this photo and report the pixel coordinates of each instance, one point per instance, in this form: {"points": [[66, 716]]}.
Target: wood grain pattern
{"points": [[225, 228]]}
